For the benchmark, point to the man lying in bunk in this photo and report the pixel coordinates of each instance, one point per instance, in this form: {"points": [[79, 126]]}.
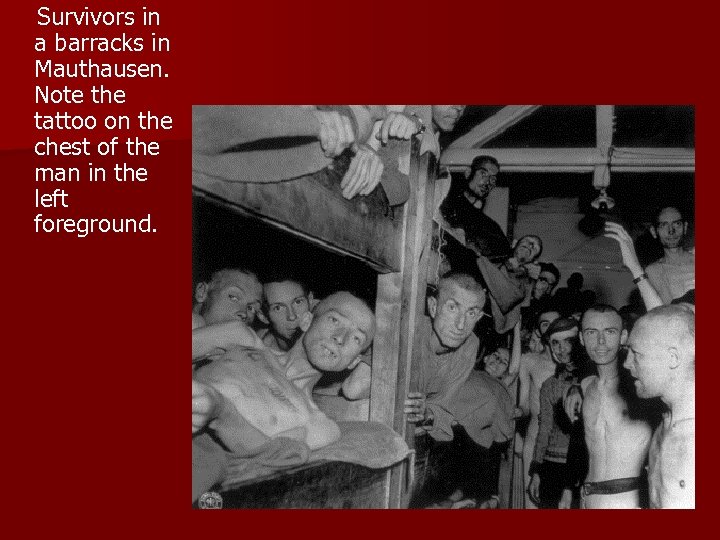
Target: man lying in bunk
{"points": [[253, 389], [230, 300], [224, 307], [285, 300]]}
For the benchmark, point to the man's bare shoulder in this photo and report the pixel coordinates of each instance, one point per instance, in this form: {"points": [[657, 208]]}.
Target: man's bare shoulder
{"points": [[587, 382], [531, 358], [655, 269], [537, 364], [197, 320], [471, 345]]}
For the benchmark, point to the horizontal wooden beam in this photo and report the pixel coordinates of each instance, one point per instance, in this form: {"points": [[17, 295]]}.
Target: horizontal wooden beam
{"points": [[576, 159], [308, 210], [579, 170], [493, 126]]}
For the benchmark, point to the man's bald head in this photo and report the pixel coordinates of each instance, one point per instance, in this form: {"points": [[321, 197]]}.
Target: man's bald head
{"points": [[231, 293], [673, 326], [464, 281], [528, 248], [661, 352], [456, 308], [343, 300], [341, 328]]}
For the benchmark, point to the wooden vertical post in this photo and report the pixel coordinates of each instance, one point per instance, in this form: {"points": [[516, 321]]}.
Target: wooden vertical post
{"points": [[399, 313], [383, 385], [604, 115]]}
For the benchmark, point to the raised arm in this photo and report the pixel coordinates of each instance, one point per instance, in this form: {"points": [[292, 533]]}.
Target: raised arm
{"points": [[515, 353], [219, 337], [649, 295], [524, 400]]}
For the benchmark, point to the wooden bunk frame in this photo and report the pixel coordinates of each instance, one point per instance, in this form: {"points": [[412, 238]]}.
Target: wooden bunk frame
{"points": [[308, 210], [397, 249]]}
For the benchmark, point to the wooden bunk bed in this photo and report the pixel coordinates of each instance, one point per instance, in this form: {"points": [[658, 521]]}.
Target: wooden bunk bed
{"points": [[309, 209], [394, 245]]}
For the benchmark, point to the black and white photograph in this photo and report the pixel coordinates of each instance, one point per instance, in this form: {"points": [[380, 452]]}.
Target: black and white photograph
{"points": [[443, 306]]}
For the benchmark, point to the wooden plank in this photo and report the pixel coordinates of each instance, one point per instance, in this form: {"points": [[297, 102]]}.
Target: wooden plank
{"points": [[604, 117], [493, 126], [399, 311], [415, 264], [577, 159], [311, 211], [412, 338], [330, 484], [604, 120], [383, 382]]}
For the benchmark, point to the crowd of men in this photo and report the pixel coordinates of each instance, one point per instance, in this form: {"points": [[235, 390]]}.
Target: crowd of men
{"points": [[588, 431], [591, 407]]}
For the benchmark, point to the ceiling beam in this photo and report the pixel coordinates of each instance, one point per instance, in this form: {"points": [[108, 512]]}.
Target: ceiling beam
{"points": [[604, 115], [576, 159], [493, 126]]}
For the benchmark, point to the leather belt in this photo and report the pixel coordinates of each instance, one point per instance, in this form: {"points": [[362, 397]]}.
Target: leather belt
{"points": [[610, 487]]}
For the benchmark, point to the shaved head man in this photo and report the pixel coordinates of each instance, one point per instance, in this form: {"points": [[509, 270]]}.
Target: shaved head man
{"points": [[661, 357], [226, 307], [285, 301], [617, 434], [231, 294], [343, 326], [450, 352], [674, 274], [252, 394], [448, 355]]}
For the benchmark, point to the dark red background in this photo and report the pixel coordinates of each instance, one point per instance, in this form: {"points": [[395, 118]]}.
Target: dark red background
{"points": [[97, 326]]}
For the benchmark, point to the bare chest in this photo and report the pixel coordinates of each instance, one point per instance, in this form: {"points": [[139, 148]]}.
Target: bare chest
{"points": [[671, 467], [607, 420]]}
